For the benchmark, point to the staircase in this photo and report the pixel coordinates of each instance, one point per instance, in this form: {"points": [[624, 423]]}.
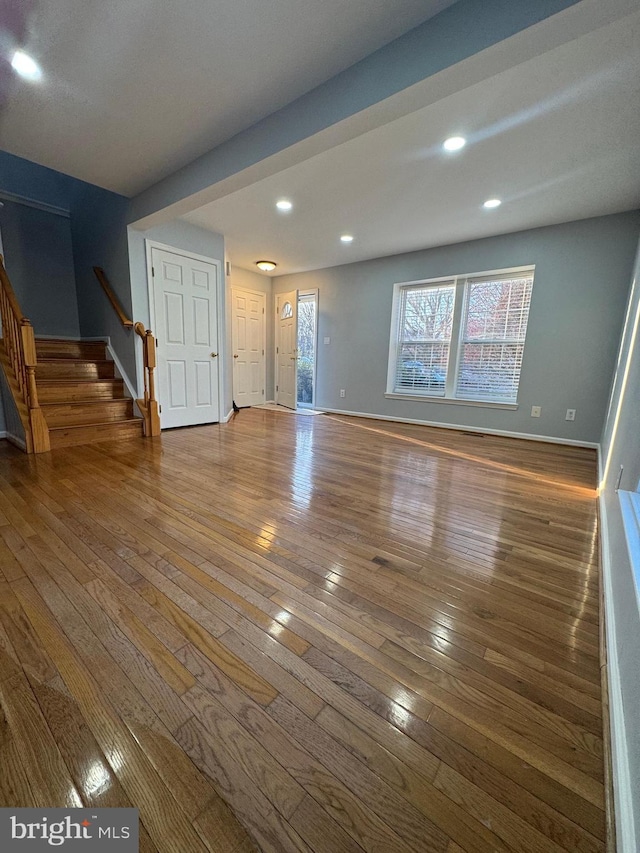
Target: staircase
{"points": [[81, 400]]}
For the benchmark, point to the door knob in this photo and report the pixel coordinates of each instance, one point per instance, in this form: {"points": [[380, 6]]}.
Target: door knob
{"points": [[235, 356], [214, 355]]}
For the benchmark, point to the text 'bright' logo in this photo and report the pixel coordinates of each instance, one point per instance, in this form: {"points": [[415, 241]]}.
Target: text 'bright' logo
{"points": [[55, 833], [76, 830]]}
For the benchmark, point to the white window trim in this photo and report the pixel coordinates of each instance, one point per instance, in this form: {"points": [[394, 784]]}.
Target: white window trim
{"points": [[459, 280]]}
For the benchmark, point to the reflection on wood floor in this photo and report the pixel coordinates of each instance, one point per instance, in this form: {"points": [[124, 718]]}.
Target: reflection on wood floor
{"points": [[322, 634]]}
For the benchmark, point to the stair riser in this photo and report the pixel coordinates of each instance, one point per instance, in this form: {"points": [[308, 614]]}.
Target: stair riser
{"points": [[68, 414], [64, 392], [70, 349], [91, 434], [74, 370]]}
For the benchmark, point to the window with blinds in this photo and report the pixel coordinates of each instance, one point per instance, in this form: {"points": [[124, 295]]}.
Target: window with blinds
{"points": [[461, 338], [496, 311], [426, 321]]}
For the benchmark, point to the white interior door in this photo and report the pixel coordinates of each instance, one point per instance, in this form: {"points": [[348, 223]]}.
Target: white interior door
{"points": [[247, 337], [286, 348], [186, 320]]}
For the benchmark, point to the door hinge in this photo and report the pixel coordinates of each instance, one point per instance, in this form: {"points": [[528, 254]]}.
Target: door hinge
{"points": [[153, 272], [277, 389], [277, 349], [262, 392], [262, 352], [160, 408]]}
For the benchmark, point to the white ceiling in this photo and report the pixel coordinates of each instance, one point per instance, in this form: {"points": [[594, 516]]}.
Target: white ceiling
{"points": [[555, 137], [132, 91]]}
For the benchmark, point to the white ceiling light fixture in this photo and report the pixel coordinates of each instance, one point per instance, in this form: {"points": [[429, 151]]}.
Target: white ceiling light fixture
{"points": [[490, 203], [25, 66], [266, 266], [454, 143], [284, 204], [347, 238]]}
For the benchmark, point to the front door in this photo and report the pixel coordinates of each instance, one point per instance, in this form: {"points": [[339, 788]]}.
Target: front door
{"points": [[186, 319], [247, 337], [286, 348]]}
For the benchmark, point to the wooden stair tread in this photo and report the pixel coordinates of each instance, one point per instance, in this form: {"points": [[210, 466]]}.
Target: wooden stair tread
{"points": [[73, 360], [97, 424], [89, 401]]}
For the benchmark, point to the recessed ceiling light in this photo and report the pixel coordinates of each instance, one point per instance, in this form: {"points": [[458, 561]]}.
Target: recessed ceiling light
{"points": [[283, 204], [266, 266], [347, 238], [454, 143], [492, 202], [25, 65]]}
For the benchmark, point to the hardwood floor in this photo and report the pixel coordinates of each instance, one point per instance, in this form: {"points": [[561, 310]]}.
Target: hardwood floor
{"points": [[306, 633]]}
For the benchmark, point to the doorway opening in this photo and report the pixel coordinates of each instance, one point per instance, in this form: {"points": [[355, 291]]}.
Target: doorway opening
{"points": [[307, 332]]}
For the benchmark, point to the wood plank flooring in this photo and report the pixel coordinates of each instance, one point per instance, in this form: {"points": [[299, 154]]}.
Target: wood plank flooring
{"points": [[306, 634]]}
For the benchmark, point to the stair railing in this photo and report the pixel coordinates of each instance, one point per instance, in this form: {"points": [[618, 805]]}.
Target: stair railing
{"points": [[148, 405], [19, 345]]}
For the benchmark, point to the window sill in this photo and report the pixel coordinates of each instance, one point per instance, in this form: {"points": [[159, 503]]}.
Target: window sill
{"points": [[450, 402], [630, 507]]}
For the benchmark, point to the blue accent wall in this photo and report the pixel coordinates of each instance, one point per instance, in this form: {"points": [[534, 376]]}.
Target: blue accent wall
{"points": [[55, 229]]}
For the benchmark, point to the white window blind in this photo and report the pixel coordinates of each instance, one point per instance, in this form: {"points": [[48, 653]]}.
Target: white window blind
{"points": [[424, 338], [461, 338], [494, 327]]}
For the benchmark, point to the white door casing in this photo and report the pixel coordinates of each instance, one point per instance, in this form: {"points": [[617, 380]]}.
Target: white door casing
{"points": [[286, 348], [248, 342], [185, 301]]}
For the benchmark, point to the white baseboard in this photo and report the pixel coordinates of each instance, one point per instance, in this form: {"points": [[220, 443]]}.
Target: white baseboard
{"points": [[548, 439], [622, 791], [226, 418], [111, 353]]}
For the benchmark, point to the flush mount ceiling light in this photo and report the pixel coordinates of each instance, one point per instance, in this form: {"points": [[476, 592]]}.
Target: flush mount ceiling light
{"points": [[266, 266], [492, 202], [25, 65], [454, 143], [347, 238], [283, 204]]}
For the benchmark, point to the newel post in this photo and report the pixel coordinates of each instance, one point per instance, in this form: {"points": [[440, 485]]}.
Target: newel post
{"points": [[39, 430], [150, 358]]}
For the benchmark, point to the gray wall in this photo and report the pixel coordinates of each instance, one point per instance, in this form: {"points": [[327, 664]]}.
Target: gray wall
{"points": [[579, 296], [249, 280], [39, 260], [189, 238], [621, 447]]}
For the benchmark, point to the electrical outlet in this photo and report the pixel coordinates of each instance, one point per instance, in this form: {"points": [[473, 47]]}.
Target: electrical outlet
{"points": [[327, 339], [343, 393], [571, 415], [536, 411]]}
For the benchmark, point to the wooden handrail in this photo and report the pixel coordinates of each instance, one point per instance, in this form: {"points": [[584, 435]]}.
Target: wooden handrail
{"points": [[113, 299], [19, 345], [148, 405]]}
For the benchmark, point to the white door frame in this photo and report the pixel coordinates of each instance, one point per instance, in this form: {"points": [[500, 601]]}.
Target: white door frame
{"points": [[264, 332], [220, 307]]}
